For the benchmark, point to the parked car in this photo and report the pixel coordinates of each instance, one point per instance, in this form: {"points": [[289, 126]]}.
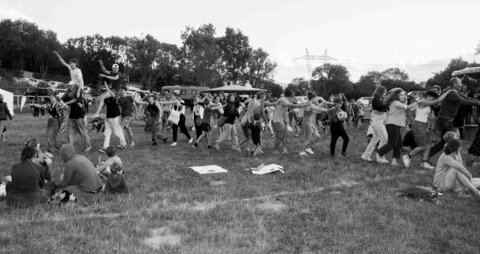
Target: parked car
{"points": [[366, 101], [40, 91]]}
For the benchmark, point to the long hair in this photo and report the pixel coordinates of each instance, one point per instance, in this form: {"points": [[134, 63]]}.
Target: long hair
{"points": [[378, 93], [28, 153], [393, 95]]}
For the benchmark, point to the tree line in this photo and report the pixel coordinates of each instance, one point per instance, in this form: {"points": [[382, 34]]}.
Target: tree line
{"points": [[203, 59]]}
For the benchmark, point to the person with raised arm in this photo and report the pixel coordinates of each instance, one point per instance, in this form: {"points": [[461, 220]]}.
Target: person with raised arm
{"points": [[113, 78], [280, 119]]}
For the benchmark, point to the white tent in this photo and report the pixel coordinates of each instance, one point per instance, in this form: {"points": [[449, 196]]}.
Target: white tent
{"points": [[8, 98]]}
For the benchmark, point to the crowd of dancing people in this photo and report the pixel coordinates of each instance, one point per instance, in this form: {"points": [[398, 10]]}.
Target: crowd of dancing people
{"points": [[392, 111]]}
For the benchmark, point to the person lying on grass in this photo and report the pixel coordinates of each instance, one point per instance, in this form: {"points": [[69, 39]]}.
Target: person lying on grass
{"points": [[80, 176], [450, 174]]}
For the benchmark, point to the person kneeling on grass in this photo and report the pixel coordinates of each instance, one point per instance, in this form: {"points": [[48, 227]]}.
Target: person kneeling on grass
{"points": [[80, 176], [450, 174], [112, 161], [112, 168]]}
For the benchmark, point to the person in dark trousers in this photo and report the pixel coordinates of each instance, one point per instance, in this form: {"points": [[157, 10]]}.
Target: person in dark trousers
{"points": [[448, 111], [4, 113], [337, 128]]}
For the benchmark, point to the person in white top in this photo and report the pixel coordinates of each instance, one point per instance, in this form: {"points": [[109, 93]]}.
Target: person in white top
{"points": [[396, 118], [75, 73], [419, 127], [178, 105]]}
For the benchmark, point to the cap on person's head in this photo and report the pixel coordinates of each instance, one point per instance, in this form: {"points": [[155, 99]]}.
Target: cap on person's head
{"points": [[73, 60], [115, 66]]}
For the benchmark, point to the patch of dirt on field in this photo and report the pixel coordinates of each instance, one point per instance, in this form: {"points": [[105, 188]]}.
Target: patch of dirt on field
{"points": [[203, 207], [344, 183], [273, 206], [162, 236], [217, 183]]}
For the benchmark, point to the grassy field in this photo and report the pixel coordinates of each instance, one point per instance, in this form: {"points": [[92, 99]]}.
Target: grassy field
{"points": [[320, 205]]}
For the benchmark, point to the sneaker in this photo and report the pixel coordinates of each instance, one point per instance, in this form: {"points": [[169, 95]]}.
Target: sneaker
{"points": [[427, 165], [344, 155], [120, 147], [236, 148], [87, 149], [154, 143], [309, 151], [195, 145], [380, 159], [366, 158], [284, 151], [303, 153], [190, 141], [174, 144], [132, 144], [394, 162], [102, 150], [406, 160]]}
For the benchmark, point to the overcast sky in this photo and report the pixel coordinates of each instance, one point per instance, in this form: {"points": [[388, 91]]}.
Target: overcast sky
{"points": [[417, 36]]}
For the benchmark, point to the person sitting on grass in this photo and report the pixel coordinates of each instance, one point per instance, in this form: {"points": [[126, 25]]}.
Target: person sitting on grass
{"points": [[112, 161], [116, 181], [80, 176], [41, 158], [450, 174], [24, 187]]}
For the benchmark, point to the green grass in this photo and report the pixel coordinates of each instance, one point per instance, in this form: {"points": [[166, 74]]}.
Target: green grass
{"points": [[329, 205]]}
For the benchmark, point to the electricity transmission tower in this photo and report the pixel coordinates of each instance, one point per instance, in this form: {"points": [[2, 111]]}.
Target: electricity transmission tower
{"points": [[315, 60]]}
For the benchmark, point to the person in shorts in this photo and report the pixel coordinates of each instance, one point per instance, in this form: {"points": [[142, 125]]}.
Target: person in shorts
{"points": [[419, 126], [127, 108]]}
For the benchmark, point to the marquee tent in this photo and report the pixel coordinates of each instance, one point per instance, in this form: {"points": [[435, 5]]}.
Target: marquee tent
{"points": [[233, 89], [473, 72], [8, 98]]}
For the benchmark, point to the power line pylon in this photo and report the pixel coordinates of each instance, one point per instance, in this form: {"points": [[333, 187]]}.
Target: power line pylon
{"points": [[309, 59]]}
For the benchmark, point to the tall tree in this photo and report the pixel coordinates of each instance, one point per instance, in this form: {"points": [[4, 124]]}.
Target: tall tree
{"points": [[23, 46], [145, 55], [367, 83], [331, 78], [299, 86], [235, 52], [201, 55], [394, 74], [260, 67], [442, 78]]}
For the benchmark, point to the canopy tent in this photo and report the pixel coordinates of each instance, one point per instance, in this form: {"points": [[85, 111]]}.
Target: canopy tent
{"points": [[8, 99], [233, 89], [473, 72]]}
